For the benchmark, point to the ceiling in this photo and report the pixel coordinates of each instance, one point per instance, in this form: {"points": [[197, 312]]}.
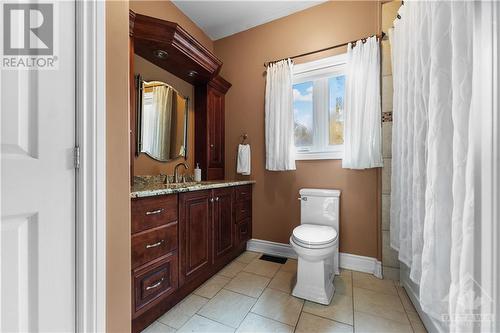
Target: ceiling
{"points": [[220, 19]]}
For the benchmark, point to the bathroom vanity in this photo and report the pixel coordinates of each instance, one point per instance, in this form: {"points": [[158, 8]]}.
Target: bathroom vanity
{"points": [[181, 236], [182, 233]]}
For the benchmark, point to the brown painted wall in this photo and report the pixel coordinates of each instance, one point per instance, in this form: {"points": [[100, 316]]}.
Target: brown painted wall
{"points": [[118, 297], [276, 209], [145, 165], [166, 10]]}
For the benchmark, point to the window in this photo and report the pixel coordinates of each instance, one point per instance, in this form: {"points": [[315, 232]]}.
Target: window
{"points": [[318, 106]]}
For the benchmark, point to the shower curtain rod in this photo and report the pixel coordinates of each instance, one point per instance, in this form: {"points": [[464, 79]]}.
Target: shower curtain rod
{"points": [[324, 49]]}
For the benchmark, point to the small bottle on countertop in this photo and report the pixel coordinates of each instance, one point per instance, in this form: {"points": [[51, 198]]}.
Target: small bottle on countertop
{"points": [[197, 173]]}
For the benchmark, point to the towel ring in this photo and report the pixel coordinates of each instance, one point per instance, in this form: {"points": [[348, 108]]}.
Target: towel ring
{"points": [[243, 137]]}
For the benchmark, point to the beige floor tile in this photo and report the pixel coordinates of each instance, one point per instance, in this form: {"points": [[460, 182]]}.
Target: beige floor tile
{"points": [[204, 325], [232, 269], [254, 323], [284, 281], [279, 306], [309, 323], [343, 284], [340, 309], [289, 266], [248, 284], [379, 304], [228, 308], [407, 304], [368, 281], [262, 267], [247, 257], [416, 323], [346, 273], [364, 322], [181, 313], [212, 286], [158, 327]]}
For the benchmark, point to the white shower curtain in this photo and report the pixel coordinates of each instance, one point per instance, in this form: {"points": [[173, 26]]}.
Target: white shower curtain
{"points": [[431, 219], [362, 125], [280, 150]]}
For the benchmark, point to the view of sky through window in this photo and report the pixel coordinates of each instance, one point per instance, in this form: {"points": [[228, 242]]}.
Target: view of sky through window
{"points": [[303, 113]]}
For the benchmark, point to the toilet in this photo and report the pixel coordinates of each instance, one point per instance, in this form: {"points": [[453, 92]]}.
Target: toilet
{"points": [[316, 243]]}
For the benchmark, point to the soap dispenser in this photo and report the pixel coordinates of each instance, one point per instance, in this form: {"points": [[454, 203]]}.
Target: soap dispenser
{"points": [[197, 173]]}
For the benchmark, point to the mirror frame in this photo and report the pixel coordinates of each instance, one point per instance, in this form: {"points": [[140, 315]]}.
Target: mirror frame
{"points": [[139, 81]]}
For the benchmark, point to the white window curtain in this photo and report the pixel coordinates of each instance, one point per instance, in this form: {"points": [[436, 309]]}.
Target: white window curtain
{"points": [[280, 150], [432, 188], [362, 125]]}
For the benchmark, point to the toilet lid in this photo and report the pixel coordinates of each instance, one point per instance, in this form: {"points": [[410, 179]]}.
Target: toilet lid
{"points": [[314, 234]]}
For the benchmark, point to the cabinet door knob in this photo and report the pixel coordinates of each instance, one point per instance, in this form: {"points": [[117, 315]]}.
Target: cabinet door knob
{"points": [[217, 199], [212, 145], [211, 199]]}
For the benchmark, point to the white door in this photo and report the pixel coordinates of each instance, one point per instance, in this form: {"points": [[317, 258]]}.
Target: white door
{"points": [[37, 226]]}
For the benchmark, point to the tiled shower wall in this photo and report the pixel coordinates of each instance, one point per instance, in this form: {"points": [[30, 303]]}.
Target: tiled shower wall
{"points": [[390, 262]]}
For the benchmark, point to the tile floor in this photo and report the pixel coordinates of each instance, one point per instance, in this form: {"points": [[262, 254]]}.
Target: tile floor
{"points": [[252, 295]]}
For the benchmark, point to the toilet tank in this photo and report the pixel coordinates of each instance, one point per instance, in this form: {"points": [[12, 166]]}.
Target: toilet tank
{"points": [[320, 206]]}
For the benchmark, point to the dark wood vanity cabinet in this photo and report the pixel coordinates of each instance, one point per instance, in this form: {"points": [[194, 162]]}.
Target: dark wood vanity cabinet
{"points": [[209, 127], [195, 234], [243, 215], [181, 240], [207, 232], [223, 223]]}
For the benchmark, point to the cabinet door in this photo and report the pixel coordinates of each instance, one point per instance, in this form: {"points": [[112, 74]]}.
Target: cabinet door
{"points": [[216, 130], [195, 234], [223, 222]]}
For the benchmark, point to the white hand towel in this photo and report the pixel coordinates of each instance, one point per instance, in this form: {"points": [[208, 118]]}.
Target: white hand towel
{"points": [[244, 160]]}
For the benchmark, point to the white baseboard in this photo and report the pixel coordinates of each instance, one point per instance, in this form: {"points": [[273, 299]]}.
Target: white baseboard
{"points": [[361, 264], [348, 261]]}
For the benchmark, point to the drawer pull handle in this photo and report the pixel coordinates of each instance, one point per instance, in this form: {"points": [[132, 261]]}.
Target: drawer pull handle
{"points": [[154, 212], [148, 246], [243, 210], [243, 193], [156, 285]]}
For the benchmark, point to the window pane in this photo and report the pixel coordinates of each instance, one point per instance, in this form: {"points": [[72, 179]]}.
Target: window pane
{"points": [[336, 86], [303, 113]]}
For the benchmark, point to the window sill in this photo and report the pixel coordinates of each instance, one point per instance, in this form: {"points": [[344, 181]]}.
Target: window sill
{"points": [[325, 155]]}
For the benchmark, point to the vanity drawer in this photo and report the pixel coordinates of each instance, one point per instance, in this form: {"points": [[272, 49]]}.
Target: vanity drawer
{"points": [[243, 210], [243, 193], [244, 230], [153, 211], [153, 243], [154, 282]]}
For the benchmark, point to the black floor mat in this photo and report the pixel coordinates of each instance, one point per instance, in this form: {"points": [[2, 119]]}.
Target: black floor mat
{"points": [[267, 257]]}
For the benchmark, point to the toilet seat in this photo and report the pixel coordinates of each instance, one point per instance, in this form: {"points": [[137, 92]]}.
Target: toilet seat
{"points": [[314, 236]]}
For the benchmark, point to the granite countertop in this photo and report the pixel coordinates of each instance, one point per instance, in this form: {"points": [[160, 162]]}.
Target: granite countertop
{"points": [[140, 190]]}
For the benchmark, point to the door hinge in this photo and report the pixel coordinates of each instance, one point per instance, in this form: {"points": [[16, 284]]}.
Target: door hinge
{"points": [[76, 157]]}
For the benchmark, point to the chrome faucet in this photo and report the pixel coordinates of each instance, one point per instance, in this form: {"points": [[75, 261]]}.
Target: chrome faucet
{"points": [[176, 175]]}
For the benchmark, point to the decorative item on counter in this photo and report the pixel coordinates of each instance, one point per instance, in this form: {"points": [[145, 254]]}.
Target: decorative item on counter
{"points": [[197, 173]]}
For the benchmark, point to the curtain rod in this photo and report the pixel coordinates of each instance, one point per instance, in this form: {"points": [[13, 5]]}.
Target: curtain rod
{"points": [[324, 49]]}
